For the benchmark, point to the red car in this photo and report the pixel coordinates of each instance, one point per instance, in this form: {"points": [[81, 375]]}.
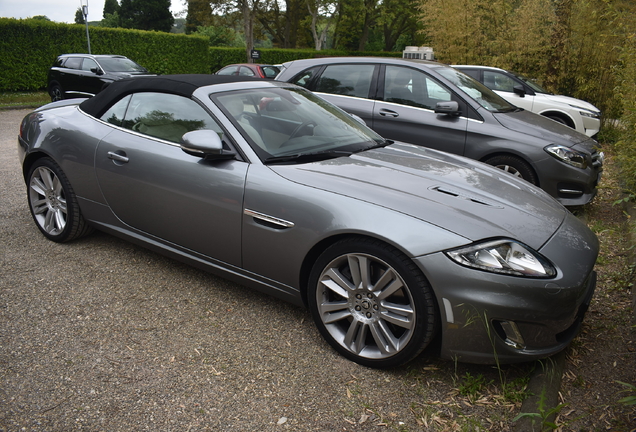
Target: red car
{"points": [[250, 69]]}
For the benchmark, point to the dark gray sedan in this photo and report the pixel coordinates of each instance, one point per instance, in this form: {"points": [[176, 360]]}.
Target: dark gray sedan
{"points": [[262, 182], [431, 104]]}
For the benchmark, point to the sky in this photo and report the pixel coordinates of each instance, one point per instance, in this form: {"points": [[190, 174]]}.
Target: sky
{"points": [[61, 10]]}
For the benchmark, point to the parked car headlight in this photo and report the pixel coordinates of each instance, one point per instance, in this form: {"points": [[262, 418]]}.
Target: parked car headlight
{"points": [[567, 155], [587, 113], [505, 257]]}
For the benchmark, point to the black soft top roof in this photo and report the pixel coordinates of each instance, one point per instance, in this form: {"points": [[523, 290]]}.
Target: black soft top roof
{"points": [[183, 85]]}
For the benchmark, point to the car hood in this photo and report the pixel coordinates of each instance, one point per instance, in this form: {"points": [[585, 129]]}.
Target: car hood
{"points": [[568, 101], [122, 75], [465, 197], [530, 124]]}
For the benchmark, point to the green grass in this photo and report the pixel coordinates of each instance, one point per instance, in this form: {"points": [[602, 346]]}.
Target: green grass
{"points": [[24, 99]]}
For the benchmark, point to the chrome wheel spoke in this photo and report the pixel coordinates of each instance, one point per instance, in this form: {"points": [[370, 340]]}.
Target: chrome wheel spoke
{"points": [[356, 334], [336, 282], [384, 339], [400, 315]]}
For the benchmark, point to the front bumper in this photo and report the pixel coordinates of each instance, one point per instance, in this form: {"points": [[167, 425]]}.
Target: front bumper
{"points": [[488, 318]]}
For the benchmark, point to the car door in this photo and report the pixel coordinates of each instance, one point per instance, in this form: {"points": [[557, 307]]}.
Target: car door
{"points": [[70, 75], [405, 110], [153, 186], [348, 86], [91, 81], [503, 85]]}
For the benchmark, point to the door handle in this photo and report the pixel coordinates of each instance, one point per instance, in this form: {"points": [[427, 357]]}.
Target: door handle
{"points": [[388, 113], [117, 157]]}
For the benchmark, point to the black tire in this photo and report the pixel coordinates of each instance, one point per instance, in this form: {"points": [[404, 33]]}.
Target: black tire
{"points": [[514, 166], [56, 92], [381, 316], [53, 203]]}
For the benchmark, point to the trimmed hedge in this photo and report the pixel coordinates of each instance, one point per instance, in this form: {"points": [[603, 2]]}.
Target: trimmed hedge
{"points": [[29, 48], [220, 56]]}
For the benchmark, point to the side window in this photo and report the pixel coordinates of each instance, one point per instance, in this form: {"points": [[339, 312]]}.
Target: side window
{"points": [[304, 77], [230, 70], [166, 116], [245, 71], [472, 73], [408, 86], [73, 62], [350, 80], [89, 64], [498, 81], [115, 115]]}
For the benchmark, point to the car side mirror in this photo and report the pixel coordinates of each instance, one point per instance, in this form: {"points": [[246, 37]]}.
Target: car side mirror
{"points": [[97, 71], [520, 90], [205, 143], [450, 108]]}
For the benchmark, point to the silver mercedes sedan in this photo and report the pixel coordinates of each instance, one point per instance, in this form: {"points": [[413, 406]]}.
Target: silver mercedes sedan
{"points": [[389, 245]]}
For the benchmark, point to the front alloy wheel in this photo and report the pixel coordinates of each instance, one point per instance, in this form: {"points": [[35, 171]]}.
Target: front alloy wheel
{"points": [[53, 203], [371, 303]]}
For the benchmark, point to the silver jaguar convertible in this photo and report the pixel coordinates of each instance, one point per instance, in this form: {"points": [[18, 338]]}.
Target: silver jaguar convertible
{"points": [[389, 245]]}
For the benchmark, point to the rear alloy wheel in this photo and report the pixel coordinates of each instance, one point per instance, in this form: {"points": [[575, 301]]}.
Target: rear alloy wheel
{"points": [[371, 303], [56, 93], [53, 203], [514, 166]]}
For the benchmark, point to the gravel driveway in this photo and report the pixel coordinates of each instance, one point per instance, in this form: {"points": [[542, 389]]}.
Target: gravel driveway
{"points": [[99, 334]]}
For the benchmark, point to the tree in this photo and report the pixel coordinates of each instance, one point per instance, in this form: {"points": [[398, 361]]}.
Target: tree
{"points": [[322, 13], [79, 16], [110, 7], [146, 15], [199, 15]]}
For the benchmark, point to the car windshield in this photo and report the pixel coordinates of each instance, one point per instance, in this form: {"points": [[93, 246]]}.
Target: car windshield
{"points": [[479, 92], [287, 125], [531, 83], [115, 64]]}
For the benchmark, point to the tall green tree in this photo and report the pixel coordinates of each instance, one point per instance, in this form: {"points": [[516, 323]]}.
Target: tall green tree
{"points": [[110, 7], [199, 14], [146, 15], [79, 16]]}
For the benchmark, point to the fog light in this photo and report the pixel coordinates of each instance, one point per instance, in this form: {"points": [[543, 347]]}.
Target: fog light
{"points": [[513, 335]]}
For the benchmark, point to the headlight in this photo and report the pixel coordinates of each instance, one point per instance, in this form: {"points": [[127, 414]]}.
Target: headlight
{"points": [[567, 155], [504, 256], [587, 113]]}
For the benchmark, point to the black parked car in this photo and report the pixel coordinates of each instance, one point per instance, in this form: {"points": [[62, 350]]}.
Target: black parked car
{"points": [[85, 75]]}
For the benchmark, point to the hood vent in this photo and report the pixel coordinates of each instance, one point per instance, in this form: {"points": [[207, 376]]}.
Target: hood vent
{"points": [[463, 196]]}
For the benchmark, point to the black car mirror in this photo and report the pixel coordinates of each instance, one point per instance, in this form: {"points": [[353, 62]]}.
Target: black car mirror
{"points": [[519, 89], [205, 143], [97, 71], [449, 107]]}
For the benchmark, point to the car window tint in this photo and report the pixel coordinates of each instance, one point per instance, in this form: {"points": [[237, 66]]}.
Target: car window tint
{"points": [[350, 80], [115, 115], [270, 71], [471, 72], [230, 70], [408, 86], [89, 64], [498, 81], [303, 78], [166, 116], [245, 71], [73, 62]]}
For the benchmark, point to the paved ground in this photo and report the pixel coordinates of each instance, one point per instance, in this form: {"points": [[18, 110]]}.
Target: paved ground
{"points": [[101, 335]]}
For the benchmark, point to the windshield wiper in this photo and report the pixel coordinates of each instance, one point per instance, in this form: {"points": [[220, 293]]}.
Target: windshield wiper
{"points": [[307, 157]]}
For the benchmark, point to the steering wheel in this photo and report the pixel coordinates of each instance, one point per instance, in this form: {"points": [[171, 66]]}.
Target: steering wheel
{"points": [[301, 126]]}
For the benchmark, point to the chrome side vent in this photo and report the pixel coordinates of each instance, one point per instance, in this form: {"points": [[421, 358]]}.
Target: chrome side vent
{"points": [[463, 196]]}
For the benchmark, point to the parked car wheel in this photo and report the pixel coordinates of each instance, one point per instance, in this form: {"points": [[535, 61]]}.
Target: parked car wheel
{"points": [[371, 303], [514, 166], [53, 203], [56, 93]]}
